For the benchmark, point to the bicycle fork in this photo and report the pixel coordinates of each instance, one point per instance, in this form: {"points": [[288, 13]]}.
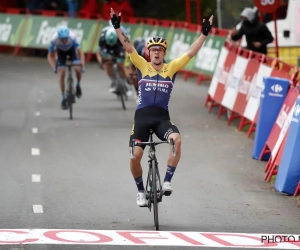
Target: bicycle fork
{"points": [[149, 185]]}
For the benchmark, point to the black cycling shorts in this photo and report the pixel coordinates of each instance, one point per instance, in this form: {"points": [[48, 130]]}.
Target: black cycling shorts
{"points": [[62, 57], [154, 118]]}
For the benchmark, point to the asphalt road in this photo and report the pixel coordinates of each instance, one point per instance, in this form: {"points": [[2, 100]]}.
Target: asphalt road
{"points": [[81, 170]]}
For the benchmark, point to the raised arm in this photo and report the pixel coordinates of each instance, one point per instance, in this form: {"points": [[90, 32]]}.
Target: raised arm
{"points": [[196, 46], [116, 21]]}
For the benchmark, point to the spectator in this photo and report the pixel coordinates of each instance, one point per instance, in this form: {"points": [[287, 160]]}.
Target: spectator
{"points": [[118, 6], [125, 8], [55, 5], [35, 5], [257, 34], [89, 7], [72, 7], [108, 4]]}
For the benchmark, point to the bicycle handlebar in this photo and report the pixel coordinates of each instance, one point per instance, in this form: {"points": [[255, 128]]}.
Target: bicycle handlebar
{"points": [[134, 143]]}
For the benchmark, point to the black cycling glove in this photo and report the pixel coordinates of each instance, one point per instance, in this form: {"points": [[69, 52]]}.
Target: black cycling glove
{"points": [[206, 27], [116, 21]]}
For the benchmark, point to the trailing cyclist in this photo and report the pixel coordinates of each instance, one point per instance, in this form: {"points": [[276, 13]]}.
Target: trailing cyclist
{"points": [[65, 43], [156, 80], [110, 46]]}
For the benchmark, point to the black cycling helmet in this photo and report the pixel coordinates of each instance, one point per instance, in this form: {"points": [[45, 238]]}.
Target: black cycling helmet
{"points": [[137, 41]]}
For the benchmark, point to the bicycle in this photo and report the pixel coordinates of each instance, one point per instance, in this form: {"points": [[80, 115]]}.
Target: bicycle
{"points": [[154, 188], [70, 92], [121, 88]]}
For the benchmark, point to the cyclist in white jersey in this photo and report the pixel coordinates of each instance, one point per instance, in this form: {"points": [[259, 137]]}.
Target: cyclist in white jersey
{"points": [[65, 43]]}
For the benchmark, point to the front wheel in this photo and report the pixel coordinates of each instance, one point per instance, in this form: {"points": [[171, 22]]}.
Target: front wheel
{"points": [[154, 191], [120, 85], [71, 97]]}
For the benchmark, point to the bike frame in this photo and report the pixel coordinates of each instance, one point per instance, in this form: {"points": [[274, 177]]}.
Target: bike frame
{"points": [[120, 84], [70, 87], [153, 173]]}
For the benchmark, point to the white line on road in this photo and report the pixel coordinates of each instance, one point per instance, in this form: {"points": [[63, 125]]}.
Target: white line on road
{"points": [[36, 178], [37, 113], [35, 151], [35, 130], [38, 209]]}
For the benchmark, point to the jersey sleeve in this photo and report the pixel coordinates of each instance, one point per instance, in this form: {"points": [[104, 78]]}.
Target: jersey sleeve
{"points": [[178, 63], [138, 61], [51, 47], [75, 42]]}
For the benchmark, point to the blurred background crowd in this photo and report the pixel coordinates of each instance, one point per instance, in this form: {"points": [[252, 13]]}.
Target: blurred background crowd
{"points": [[168, 10]]}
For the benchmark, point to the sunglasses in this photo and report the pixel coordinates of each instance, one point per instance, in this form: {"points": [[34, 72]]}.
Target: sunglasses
{"points": [[64, 39], [157, 48]]}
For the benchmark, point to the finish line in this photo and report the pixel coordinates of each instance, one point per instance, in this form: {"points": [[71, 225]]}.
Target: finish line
{"points": [[146, 238]]}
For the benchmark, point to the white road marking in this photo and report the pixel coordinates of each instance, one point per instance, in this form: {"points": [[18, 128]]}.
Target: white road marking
{"points": [[35, 130], [147, 238], [37, 113], [36, 178], [35, 151], [38, 209]]}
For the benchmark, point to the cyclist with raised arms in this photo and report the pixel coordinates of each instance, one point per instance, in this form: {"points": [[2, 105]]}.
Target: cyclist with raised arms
{"points": [[66, 44], [156, 80]]}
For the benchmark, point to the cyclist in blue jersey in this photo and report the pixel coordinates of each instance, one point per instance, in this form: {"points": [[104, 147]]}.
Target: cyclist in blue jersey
{"points": [[65, 43], [156, 81], [109, 46]]}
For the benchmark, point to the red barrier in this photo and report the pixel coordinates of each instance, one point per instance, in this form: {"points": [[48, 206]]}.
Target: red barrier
{"points": [[273, 163], [237, 88]]}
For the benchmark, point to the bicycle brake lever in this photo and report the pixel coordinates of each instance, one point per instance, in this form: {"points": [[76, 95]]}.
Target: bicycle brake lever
{"points": [[171, 141]]}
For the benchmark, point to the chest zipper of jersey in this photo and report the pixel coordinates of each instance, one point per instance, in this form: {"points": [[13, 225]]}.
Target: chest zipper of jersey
{"points": [[156, 88]]}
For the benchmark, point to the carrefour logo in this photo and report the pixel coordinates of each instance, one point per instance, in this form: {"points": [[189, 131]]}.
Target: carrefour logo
{"points": [[297, 110], [277, 88], [296, 113]]}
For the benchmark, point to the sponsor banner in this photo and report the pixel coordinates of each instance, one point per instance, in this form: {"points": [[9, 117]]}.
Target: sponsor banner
{"points": [[232, 86], [146, 238], [255, 92], [282, 122], [225, 76], [178, 44], [245, 86], [207, 58], [217, 73], [37, 31], [11, 29], [289, 171], [190, 38], [95, 48], [272, 98]]}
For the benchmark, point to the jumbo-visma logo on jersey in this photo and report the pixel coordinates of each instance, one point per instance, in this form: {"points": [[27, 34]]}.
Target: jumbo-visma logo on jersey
{"points": [[162, 87]]}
